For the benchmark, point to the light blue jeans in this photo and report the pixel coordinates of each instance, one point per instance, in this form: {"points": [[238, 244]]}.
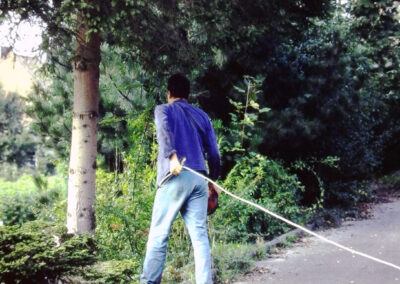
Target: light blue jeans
{"points": [[186, 193]]}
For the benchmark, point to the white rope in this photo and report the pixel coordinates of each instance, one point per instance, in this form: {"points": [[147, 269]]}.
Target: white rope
{"points": [[296, 225]]}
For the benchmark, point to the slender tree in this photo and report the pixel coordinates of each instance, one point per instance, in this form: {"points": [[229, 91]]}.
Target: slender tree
{"points": [[77, 21], [82, 167]]}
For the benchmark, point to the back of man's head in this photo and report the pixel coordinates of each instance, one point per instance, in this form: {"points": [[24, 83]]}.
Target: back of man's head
{"points": [[179, 86]]}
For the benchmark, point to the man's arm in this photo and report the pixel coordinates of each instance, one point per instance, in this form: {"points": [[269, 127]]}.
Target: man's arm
{"points": [[212, 151], [166, 142], [213, 159]]}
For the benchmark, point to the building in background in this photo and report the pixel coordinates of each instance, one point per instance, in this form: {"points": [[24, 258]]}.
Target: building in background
{"points": [[16, 72]]}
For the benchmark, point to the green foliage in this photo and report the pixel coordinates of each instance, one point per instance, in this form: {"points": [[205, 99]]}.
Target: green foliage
{"points": [[124, 200], [253, 176], [245, 118], [391, 181], [30, 198], [346, 194], [376, 24], [243, 133], [322, 99], [325, 102], [228, 260], [23, 185], [191, 34], [231, 259], [306, 172], [50, 108], [17, 141], [267, 183], [332, 92], [316, 111], [16, 209], [113, 271], [126, 93], [38, 252], [123, 210]]}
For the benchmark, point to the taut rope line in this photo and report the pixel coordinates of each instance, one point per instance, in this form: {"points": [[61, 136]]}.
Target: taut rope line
{"points": [[296, 225]]}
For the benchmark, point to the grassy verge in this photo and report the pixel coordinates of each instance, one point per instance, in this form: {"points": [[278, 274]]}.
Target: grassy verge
{"points": [[229, 260]]}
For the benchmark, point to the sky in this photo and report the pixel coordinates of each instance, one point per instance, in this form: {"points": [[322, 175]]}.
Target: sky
{"points": [[25, 38]]}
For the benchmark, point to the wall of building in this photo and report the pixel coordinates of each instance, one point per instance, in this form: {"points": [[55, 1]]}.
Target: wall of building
{"points": [[16, 72]]}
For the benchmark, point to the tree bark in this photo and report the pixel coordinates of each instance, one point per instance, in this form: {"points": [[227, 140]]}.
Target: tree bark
{"points": [[82, 167]]}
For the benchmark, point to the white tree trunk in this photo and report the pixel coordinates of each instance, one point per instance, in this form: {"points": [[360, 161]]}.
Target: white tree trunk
{"points": [[82, 167]]}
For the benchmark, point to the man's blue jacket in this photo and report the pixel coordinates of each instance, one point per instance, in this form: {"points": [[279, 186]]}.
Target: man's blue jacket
{"points": [[187, 131]]}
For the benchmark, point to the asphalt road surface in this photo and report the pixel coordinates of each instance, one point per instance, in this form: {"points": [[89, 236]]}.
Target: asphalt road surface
{"points": [[312, 261]]}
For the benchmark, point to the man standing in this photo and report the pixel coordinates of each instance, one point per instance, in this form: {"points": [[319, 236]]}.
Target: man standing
{"points": [[183, 131]]}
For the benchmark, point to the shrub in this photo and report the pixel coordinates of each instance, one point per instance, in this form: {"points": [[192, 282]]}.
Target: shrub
{"points": [[15, 209], [231, 259], [38, 252], [391, 181], [24, 184], [113, 271], [265, 182], [30, 198], [123, 210]]}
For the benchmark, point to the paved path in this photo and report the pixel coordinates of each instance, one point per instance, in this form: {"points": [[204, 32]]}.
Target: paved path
{"points": [[312, 261]]}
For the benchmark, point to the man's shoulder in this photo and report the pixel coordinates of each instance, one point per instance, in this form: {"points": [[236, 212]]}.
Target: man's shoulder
{"points": [[198, 110], [161, 108], [185, 107], [201, 116]]}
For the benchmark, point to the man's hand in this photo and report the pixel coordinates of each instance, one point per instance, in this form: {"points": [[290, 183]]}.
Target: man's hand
{"points": [[175, 166], [212, 187]]}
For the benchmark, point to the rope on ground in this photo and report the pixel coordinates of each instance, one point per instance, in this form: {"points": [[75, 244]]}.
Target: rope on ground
{"points": [[296, 225]]}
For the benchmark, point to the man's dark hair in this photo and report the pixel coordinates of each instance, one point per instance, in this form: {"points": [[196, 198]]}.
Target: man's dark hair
{"points": [[179, 86]]}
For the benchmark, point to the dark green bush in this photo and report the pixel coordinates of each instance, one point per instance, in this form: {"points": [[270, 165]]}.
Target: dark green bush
{"points": [[230, 259], [123, 210], [391, 181], [20, 208], [38, 252], [15, 209], [113, 271], [33, 197], [346, 194], [267, 183]]}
